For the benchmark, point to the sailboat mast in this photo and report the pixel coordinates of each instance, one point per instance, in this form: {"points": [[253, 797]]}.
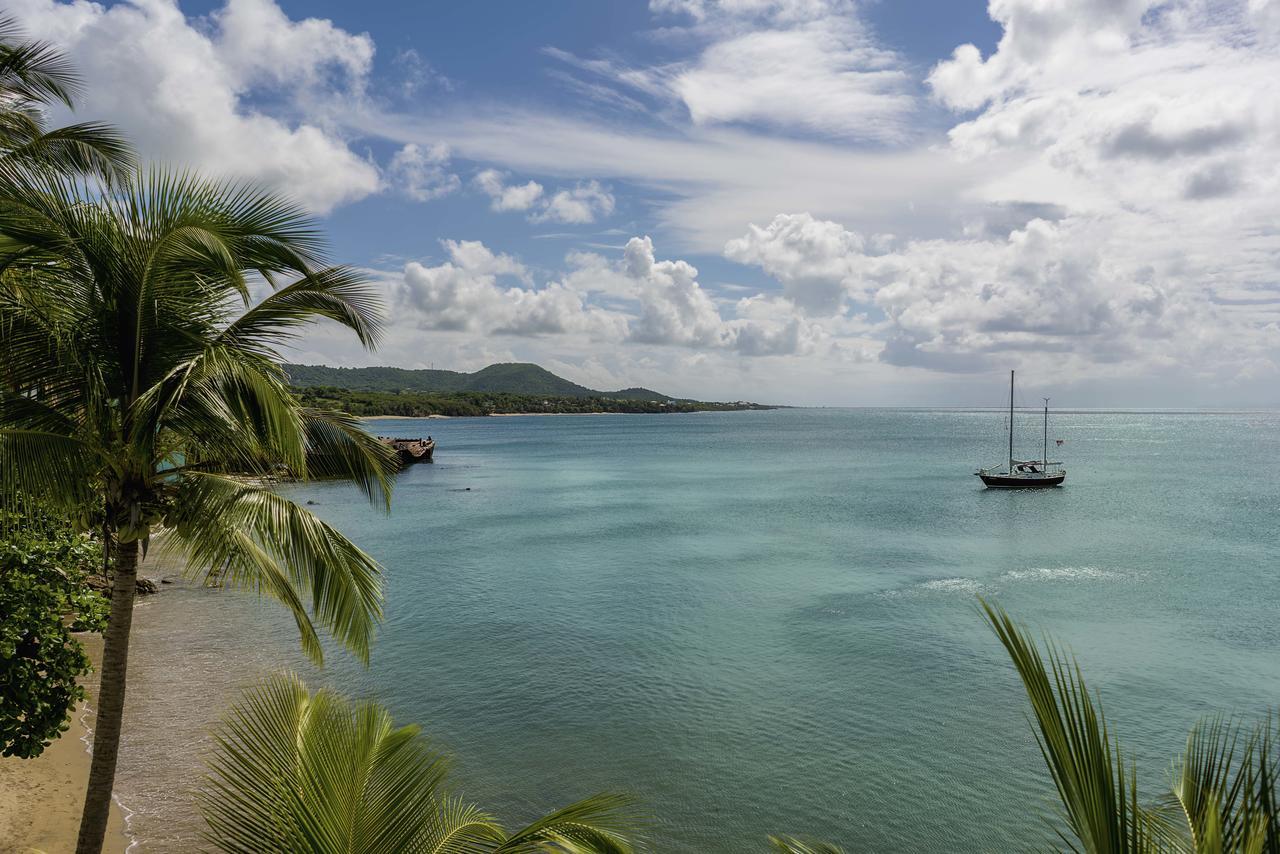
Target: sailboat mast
{"points": [[1046, 434], [1011, 422]]}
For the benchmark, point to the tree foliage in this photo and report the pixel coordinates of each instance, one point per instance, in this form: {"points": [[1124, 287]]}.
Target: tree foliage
{"points": [[34, 76], [43, 599], [141, 377]]}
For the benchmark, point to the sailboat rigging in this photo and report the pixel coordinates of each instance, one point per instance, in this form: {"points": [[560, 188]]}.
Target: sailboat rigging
{"points": [[1025, 474]]}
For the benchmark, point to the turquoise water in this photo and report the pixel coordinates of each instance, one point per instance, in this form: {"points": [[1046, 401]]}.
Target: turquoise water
{"points": [[765, 622]]}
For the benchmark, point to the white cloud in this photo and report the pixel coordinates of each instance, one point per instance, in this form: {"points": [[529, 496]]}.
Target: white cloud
{"points": [[635, 298], [674, 309], [812, 258], [1080, 293], [808, 65], [468, 292], [1152, 127], [258, 43], [796, 66], [713, 181], [421, 172], [417, 75], [583, 203], [1143, 103], [181, 92], [507, 197]]}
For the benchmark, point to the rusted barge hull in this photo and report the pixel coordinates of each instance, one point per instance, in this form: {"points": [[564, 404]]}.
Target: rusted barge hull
{"points": [[411, 450]]}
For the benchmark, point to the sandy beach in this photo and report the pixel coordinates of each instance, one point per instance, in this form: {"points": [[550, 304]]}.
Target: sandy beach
{"points": [[40, 799]]}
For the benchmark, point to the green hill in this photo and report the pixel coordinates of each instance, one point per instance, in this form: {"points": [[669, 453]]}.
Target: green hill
{"points": [[510, 378]]}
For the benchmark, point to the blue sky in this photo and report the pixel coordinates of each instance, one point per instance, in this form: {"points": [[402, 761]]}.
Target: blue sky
{"points": [[804, 201]]}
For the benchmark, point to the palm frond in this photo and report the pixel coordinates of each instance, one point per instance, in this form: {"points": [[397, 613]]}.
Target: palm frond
{"points": [[1224, 788], [55, 468], [339, 446], [251, 537], [798, 845], [87, 148], [230, 406], [34, 70], [340, 294], [1098, 793], [302, 772], [603, 824]]}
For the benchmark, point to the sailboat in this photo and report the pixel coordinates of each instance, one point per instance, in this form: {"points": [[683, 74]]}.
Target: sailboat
{"points": [[1024, 474]]}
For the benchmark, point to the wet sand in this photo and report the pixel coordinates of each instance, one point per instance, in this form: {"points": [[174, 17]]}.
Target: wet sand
{"points": [[41, 798]]}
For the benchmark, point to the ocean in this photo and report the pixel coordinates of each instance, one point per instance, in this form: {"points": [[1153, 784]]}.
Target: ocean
{"points": [[764, 622]]}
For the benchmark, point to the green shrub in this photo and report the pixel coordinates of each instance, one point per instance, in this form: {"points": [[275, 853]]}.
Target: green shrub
{"points": [[44, 597]]}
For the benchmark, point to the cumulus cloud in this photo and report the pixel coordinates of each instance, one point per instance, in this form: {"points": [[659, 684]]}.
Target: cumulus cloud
{"points": [[422, 172], [812, 258], [259, 44], [635, 298], [470, 291], [583, 203], [675, 309], [1075, 290], [507, 197], [1137, 102], [183, 92], [1151, 126]]}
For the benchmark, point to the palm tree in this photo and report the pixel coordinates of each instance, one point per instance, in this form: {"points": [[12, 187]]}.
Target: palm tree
{"points": [[143, 381], [33, 77], [1223, 796], [311, 772]]}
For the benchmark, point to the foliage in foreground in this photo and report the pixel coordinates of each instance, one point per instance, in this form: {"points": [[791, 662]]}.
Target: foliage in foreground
{"points": [[141, 372], [35, 76], [312, 772], [43, 599], [1223, 796]]}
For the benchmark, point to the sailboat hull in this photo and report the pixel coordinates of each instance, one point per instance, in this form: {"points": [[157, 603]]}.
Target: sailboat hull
{"points": [[1004, 481]]}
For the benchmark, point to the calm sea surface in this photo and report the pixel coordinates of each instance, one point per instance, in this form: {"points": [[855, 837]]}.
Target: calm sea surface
{"points": [[765, 621]]}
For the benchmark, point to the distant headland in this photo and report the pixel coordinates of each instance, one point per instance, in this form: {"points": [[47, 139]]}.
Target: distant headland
{"points": [[503, 389]]}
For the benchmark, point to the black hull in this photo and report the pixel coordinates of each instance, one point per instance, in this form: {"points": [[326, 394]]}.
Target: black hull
{"points": [[996, 481]]}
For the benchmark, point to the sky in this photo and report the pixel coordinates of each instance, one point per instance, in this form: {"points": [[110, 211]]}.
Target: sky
{"points": [[810, 202]]}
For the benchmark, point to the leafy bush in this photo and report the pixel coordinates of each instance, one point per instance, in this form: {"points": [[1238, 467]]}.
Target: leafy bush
{"points": [[44, 597]]}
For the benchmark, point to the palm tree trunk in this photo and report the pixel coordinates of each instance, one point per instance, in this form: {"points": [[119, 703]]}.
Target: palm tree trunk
{"points": [[106, 731]]}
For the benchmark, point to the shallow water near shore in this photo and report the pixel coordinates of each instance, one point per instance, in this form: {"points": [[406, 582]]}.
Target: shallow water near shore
{"points": [[764, 621]]}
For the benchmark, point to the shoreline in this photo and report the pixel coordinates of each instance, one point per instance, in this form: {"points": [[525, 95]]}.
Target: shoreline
{"points": [[41, 798], [538, 414]]}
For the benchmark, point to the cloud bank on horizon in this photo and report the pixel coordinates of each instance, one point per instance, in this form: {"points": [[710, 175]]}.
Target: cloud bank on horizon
{"points": [[757, 198]]}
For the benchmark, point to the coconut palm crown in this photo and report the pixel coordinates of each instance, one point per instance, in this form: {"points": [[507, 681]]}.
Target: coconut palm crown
{"points": [[140, 378]]}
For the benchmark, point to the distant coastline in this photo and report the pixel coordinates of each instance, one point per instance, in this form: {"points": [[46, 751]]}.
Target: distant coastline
{"points": [[503, 389], [537, 414], [464, 404]]}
